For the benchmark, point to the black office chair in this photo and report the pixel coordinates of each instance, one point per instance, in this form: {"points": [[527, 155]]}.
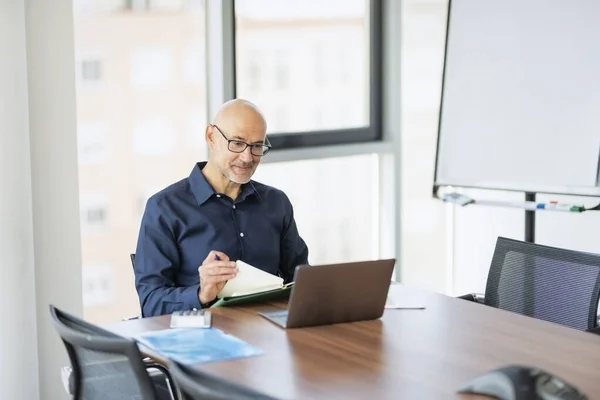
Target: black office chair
{"points": [[140, 315], [195, 385], [106, 366], [543, 282]]}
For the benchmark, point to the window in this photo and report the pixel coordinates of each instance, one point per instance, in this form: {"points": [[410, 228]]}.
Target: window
{"points": [[91, 70], [194, 67], [151, 67], [348, 218], [145, 127], [253, 72], [319, 65], [92, 143], [98, 285], [95, 216], [94, 212], [302, 39], [157, 5], [347, 62], [196, 126], [166, 5], [136, 5], [153, 136], [281, 70]]}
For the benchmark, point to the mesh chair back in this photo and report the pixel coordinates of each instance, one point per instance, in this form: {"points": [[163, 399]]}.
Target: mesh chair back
{"points": [[556, 285], [105, 366], [194, 384]]}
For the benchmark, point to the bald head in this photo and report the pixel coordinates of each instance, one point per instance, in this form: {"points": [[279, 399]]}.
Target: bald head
{"points": [[240, 114], [237, 129]]}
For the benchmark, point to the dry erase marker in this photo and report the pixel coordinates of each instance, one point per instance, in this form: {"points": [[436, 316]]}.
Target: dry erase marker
{"points": [[559, 207]]}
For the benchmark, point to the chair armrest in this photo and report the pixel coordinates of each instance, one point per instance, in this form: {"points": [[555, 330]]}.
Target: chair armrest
{"points": [[595, 330], [151, 364], [474, 297]]}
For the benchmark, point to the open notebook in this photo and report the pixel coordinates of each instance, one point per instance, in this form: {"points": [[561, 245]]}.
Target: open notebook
{"points": [[252, 284]]}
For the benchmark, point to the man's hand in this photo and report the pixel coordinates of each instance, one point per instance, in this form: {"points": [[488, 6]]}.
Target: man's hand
{"points": [[214, 273]]}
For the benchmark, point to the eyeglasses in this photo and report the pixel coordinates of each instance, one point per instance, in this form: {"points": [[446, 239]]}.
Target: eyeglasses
{"points": [[239, 146]]}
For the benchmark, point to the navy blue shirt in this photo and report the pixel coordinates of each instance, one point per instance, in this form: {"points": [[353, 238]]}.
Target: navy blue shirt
{"points": [[185, 221]]}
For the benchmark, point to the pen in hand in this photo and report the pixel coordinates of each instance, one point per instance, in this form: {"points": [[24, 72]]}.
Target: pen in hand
{"points": [[217, 258]]}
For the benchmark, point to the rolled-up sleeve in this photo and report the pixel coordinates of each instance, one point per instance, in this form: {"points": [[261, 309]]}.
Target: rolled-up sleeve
{"points": [[293, 248], [156, 265]]}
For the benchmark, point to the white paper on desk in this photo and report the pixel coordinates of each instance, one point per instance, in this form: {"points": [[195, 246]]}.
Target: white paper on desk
{"points": [[404, 302]]}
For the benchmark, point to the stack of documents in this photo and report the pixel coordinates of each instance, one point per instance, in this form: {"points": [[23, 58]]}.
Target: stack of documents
{"points": [[250, 280], [196, 346], [252, 285]]}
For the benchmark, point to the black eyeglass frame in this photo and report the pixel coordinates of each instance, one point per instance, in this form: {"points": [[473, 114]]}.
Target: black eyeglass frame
{"points": [[264, 146]]}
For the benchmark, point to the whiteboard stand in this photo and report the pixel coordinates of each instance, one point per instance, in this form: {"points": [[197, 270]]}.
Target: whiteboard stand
{"points": [[530, 219], [507, 119]]}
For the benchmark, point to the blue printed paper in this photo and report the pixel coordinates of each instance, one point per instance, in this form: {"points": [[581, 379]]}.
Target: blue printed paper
{"points": [[197, 345]]}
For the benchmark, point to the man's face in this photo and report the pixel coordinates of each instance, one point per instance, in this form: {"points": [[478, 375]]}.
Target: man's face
{"points": [[237, 166]]}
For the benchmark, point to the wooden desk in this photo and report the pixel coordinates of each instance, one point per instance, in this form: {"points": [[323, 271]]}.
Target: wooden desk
{"points": [[408, 354]]}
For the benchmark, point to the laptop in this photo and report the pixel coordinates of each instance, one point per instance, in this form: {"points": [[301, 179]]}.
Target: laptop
{"points": [[336, 293]]}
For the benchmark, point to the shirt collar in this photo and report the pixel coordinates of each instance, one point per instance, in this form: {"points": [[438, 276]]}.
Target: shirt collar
{"points": [[247, 190], [203, 191]]}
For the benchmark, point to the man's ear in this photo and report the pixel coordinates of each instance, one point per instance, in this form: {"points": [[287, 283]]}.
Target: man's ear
{"points": [[208, 135]]}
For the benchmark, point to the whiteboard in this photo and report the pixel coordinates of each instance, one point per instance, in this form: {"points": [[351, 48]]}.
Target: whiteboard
{"points": [[520, 106]]}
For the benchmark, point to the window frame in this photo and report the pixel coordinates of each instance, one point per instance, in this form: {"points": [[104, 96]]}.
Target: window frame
{"points": [[373, 132]]}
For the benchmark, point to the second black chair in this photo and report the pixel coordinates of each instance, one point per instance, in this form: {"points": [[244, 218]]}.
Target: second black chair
{"points": [[543, 282], [195, 385]]}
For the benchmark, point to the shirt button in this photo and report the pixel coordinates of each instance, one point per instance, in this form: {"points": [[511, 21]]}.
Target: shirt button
{"points": [[234, 206], [242, 234], [218, 195]]}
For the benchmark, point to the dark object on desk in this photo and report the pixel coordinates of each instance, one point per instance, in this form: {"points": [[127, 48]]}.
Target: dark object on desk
{"points": [[132, 258], [543, 282], [107, 366], [326, 294], [262, 297], [522, 383], [194, 384]]}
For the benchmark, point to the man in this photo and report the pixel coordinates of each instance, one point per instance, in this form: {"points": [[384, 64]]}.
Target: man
{"points": [[193, 231]]}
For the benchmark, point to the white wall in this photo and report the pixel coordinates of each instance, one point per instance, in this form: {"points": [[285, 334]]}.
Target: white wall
{"points": [[18, 344], [424, 224], [475, 231], [55, 193]]}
